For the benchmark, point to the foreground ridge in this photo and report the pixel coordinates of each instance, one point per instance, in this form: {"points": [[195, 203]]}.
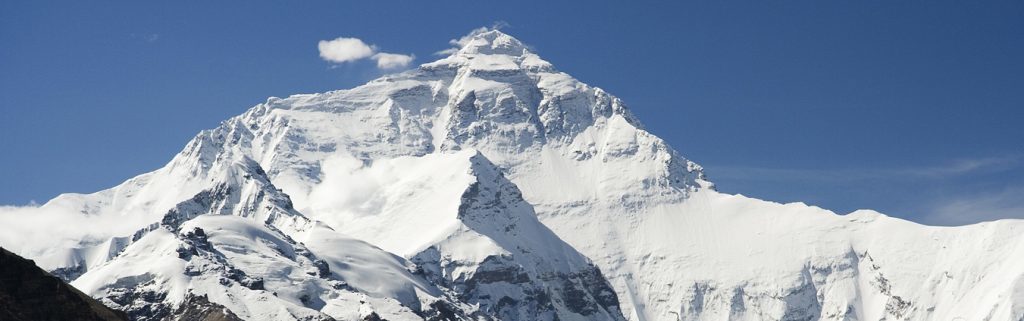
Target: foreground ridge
{"points": [[488, 185], [29, 293]]}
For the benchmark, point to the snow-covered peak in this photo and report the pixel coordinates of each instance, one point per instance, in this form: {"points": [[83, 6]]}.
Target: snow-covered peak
{"points": [[490, 50], [489, 185], [491, 42]]}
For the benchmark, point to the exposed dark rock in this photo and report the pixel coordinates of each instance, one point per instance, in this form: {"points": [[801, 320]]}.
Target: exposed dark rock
{"points": [[139, 301], [599, 288], [199, 204], [576, 300], [27, 293], [373, 316], [442, 311], [497, 269], [199, 308], [70, 273], [322, 268], [251, 282]]}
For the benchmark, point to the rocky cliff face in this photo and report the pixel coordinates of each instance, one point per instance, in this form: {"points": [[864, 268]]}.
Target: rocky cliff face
{"points": [[489, 185], [199, 308]]}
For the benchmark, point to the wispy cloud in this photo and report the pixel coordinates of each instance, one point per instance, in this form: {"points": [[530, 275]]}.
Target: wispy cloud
{"points": [[968, 209], [953, 193], [150, 38], [343, 50], [952, 169]]}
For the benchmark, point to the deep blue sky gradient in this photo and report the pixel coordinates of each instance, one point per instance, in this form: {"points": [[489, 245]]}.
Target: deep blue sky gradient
{"points": [[913, 108]]}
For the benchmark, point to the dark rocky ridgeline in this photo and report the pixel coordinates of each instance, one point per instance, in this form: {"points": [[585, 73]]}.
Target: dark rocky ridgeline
{"points": [[199, 308], [28, 293]]}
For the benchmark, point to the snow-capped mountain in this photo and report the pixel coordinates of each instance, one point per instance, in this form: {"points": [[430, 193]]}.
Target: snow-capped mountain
{"points": [[489, 185]]}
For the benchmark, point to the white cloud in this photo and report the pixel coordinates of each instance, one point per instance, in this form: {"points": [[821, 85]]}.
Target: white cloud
{"points": [[349, 187], [391, 61], [34, 229], [343, 49]]}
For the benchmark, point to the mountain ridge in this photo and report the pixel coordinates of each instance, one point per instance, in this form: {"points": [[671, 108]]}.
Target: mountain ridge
{"points": [[29, 293], [433, 182]]}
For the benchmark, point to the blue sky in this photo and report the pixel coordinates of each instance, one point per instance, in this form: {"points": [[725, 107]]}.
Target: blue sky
{"points": [[912, 108]]}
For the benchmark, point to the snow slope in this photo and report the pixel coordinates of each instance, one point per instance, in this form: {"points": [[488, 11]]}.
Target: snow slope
{"points": [[421, 192]]}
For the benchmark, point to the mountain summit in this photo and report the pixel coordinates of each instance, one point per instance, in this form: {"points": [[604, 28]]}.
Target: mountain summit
{"points": [[487, 185]]}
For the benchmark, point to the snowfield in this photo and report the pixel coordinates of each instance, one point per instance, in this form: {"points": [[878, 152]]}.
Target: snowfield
{"points": [[487, 185]]}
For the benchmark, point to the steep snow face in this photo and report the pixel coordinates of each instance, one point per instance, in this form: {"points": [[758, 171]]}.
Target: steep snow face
{"points": [[717, 256], [231, 244], [467, 229], [446, 169], [478, 252], [255, 272], [556, 137]]}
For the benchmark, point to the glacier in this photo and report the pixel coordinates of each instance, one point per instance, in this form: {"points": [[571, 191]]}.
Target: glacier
{"points": [[487, 185]]}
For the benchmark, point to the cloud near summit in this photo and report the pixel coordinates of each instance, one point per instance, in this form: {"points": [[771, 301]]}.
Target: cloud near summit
{"points": [[343, 50], [391, 61]]}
